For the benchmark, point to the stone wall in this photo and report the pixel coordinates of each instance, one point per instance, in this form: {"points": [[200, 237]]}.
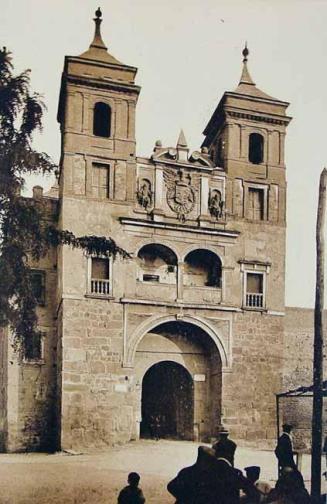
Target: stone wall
{"points": [[297, 371], [92, 413], [256, 376], [31, 384]]}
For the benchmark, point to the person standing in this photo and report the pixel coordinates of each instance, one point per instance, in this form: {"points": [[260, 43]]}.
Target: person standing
{"points": [[284, 449], [197, 483], [226, 444]]}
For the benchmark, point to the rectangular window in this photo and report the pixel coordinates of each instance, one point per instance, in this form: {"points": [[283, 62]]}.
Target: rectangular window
{"points": [[256, 198], [100, 180], [37, 279], [100, 276], [33, 348], [254, 290]]}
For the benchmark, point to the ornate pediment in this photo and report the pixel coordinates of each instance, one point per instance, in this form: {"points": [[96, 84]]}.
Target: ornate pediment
{"points": [[181, 193]]}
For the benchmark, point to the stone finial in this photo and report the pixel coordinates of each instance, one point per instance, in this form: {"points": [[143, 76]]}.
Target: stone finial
{"points": [[182, 148], [37, 192], [181, 142], [97, 41], [245, 53], [246, 77]]}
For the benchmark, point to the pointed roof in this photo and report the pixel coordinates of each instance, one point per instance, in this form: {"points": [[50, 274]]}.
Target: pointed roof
{"points": [[181, 142], [98, 50], [246, 85]]}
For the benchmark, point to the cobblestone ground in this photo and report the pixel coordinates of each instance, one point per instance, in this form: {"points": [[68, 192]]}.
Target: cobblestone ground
{"points": [[97, 477]]}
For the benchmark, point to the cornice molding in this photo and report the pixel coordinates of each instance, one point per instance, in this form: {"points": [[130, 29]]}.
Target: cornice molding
{"points": [[258, 118]]}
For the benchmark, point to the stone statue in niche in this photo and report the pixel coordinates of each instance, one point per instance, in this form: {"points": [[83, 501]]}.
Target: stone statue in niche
{"points": [[144, 194], [216, 204], [180, 193]]}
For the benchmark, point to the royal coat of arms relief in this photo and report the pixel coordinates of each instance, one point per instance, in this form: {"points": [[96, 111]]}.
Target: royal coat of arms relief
{"points": [[181, 194]]}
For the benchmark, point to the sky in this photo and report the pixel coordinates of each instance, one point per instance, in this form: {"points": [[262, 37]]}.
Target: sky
{"points": [[188, 53]]}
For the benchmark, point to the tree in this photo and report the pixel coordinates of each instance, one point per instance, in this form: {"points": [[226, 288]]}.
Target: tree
{"points": [[24, 232]]}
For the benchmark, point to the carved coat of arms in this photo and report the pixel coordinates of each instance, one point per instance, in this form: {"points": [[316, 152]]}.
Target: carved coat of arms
{"points": [[180, 193]]}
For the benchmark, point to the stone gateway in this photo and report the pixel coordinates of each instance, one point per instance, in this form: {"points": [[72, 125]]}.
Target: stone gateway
{"points": [[188, 333]]}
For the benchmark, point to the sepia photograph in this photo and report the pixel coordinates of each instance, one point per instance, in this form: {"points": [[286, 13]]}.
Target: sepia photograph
{"points": [[162, 251]]}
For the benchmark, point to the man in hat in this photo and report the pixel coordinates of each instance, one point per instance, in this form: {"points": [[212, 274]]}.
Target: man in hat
{"points": [[228, 445], [231, 480], [284, 449]]}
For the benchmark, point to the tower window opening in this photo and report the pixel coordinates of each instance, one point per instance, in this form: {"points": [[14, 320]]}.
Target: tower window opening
{"points": [[100, 276], [219, 156], [256, 143], [33, 348], [102, 120], [100, 180], [254, 290], [256, 204], [37, 280]]}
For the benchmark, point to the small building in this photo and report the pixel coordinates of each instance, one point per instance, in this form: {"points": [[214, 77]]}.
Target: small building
{"points": [[188, 332]]}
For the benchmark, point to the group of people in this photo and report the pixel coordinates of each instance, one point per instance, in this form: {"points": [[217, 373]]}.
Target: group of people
{"points": [[213, 479]]}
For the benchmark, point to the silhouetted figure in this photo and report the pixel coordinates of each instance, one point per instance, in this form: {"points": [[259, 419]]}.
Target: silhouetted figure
{"points": [[155, 425], [211, 480], [197, 484], [231, 480], [228, 444], [263, 488], [289, 488], [284, 449], [131, 494]]}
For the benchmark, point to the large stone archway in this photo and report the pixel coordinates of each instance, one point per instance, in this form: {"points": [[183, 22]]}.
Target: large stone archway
{"points": [[190, 347]]}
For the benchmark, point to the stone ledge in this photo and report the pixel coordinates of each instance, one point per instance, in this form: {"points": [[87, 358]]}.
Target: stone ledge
{"points": [[216, 307]]}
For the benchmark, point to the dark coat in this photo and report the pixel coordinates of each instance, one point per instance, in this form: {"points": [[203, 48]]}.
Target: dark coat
{"points": [[195, 485], [218, 484], [131, 495], [284, 451], [231, 481]]}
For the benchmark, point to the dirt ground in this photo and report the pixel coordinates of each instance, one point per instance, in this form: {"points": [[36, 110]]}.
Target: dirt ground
{"points": [[98, 477]]}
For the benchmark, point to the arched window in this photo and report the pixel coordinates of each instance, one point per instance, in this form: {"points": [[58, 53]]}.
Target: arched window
{"points": [[202, 268], [158, 263], [256, 143], [101, 120]]}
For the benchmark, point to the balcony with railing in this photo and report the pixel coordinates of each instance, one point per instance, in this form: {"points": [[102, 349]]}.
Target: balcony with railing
{"points": [[100, 287], [254, 301]]}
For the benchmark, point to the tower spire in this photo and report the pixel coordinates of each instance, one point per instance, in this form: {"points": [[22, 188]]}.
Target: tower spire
{"points": [[246, 77], [97, 40]]}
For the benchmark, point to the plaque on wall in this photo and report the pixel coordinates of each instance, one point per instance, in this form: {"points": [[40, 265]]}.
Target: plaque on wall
{"points": [[180, 193], [199, 377]]}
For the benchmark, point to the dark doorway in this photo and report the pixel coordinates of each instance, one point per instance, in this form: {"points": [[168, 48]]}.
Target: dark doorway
{"points": [[167, 402]]}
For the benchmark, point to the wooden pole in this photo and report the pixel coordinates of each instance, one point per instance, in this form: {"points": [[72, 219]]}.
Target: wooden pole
{"points": [[318, 346], [278, 432]]}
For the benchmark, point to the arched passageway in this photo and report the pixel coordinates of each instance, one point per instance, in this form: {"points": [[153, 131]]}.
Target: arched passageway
{"points": [[167, 402], [178, 372]]}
